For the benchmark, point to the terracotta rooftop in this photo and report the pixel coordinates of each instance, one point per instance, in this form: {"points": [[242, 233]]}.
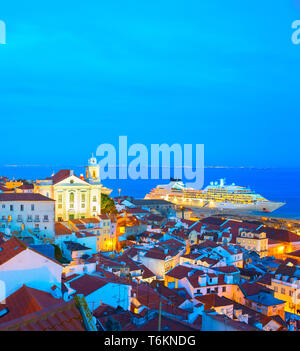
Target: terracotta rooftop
{"points": [[146, 272], [211, 301], [294, 254], [10, 249], [179, 272], [64, 316], [93, 220], [253, 288], [73, 246], [86, 284], [61, 175], [60, 229], [24, 197], [24, 301]]}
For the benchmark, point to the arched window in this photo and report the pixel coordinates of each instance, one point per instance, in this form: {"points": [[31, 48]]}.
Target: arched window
{"points": [[71, 197]]}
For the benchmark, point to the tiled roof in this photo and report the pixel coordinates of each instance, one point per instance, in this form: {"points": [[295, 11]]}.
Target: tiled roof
{"points": [[26, 300], [26, 186], [24, 197], [280, 235], [93, 220], [212, 220], [129, 263], [294, 253], [156, 254], [211, 301], [72, 246], [60, 229], [103, 310], [179, 272], [228, 269], [64, 316], [61, 175], [265, 279], [155, 218], [86, 284], [252, 288], [146, 272], [10, 249]]}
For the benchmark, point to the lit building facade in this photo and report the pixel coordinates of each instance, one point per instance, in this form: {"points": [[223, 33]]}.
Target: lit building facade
{"points": [[75, 197], [27, 214], [257, 242]]}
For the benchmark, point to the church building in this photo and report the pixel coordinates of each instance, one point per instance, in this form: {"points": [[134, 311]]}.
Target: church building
{"points": [[75, 197]]}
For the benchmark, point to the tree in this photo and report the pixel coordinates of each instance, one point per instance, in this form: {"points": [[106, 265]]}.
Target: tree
{"points": [[57, 252], [107, 205]]}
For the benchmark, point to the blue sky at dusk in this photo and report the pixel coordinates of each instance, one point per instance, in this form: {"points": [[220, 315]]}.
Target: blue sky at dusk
{"points": [[221, 73]]}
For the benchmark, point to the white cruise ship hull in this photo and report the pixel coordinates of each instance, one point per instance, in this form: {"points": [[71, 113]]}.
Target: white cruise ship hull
{"points": [[264, 206]]}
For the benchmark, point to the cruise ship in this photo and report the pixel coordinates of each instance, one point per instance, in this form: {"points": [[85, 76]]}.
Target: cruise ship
{"points": [[216, 196]]}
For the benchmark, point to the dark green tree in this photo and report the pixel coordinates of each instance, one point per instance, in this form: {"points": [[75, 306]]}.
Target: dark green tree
{"points": [[107, 205]]}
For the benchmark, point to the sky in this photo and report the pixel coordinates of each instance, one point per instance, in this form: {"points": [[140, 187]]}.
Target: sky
{"points": [[74, 75]]}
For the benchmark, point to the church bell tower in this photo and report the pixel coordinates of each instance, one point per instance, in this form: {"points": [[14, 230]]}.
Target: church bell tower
{"points": [[93, 170]]}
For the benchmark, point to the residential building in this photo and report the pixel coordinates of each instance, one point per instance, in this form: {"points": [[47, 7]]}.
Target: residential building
{"points": [[252, 241], [20, 264], [27, 214]]}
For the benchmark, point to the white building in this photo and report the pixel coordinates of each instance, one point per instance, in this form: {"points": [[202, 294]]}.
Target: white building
{"points": [[20, 265], [97, 291], [27, 214]]}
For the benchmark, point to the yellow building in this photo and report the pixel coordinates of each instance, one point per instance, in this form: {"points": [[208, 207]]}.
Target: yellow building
{"points": [[12, 184], [286, 286], [257, 242], [75, 197]]}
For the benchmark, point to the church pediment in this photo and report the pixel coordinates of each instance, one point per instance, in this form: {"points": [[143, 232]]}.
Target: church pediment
{"points": [[72, 180]]}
